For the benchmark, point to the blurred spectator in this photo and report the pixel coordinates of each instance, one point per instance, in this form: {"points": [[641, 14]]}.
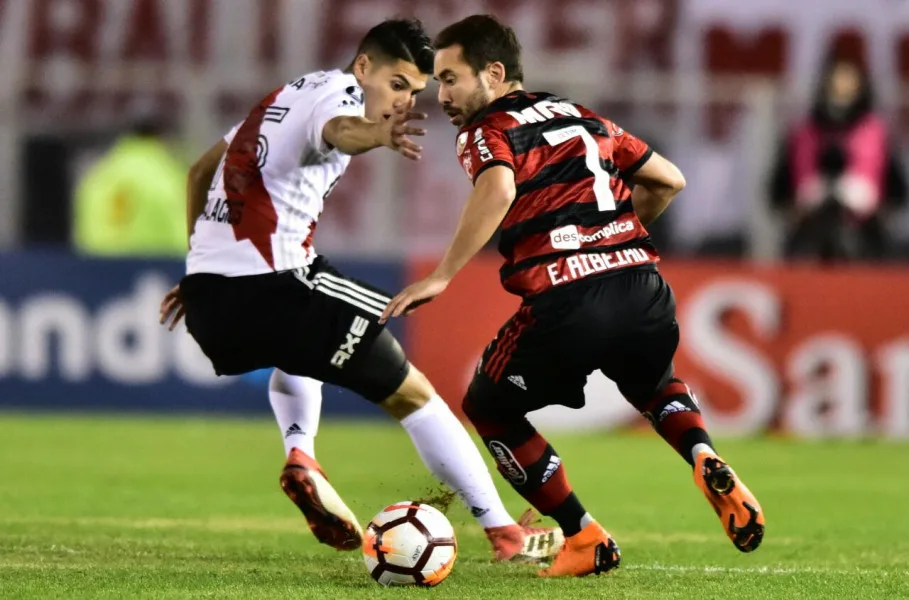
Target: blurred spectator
{"points": [[837, 174], [132, 201]]}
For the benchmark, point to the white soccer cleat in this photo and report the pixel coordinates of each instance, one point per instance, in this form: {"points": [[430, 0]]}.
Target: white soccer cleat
{"points": [[523, 543], [330, 520]]}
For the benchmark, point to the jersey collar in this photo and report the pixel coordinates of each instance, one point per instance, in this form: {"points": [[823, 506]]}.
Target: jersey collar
{"points": [[495, 105]]}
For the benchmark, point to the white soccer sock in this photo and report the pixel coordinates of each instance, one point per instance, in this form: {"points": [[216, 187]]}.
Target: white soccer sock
{"points": [[297, 404], [586, 520], [447, 450], [698, 448]]}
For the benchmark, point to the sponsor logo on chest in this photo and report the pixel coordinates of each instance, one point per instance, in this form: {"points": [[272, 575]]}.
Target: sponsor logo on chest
{"points": [[569, 238]]}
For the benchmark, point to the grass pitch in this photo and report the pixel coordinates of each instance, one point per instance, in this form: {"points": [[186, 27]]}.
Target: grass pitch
{"points": [[165, 508]]}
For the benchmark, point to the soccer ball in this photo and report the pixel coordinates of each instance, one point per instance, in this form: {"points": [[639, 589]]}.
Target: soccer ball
{"points": [[409, 544]]}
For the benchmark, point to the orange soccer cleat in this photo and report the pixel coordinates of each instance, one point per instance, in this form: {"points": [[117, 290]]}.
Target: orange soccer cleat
{"points": [[591, 551], [735, 505]]}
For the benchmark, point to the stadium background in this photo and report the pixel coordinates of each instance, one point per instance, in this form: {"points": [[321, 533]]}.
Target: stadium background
{"points": [[128, 470], [767, 344]]}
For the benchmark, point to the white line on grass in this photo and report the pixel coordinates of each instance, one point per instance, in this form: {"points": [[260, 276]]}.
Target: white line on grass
{"points": [[708, 569], [290, 524]]}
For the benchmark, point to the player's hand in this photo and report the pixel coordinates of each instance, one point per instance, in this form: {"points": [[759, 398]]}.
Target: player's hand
{"points": [[413, 296], [172, 309], [398, 128]]}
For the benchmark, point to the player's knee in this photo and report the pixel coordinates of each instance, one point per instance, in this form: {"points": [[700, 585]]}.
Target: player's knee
{"points": [[472, 408], [484, 421], [643, 391], [674, 397], [294, 385], [410, 397], [278, 382]]}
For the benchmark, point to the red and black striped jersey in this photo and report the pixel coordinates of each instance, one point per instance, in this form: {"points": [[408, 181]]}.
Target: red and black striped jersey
{"points": [[572, 217]]}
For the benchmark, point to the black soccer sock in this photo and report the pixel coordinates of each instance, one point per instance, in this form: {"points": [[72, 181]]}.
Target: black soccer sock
{"points": [[570, 515]]}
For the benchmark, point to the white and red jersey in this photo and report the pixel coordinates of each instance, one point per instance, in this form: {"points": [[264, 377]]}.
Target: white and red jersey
{"points": [[270, 187]]}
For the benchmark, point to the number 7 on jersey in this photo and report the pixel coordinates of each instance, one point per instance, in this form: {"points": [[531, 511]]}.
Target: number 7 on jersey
{"points": [[601, 189]]}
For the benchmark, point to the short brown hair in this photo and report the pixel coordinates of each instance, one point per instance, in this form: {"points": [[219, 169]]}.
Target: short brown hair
{"points": [[485, 40]]}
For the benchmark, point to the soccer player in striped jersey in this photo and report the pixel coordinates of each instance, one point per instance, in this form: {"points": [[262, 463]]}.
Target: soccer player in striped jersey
{"points": [[258, 295], [572, 193]]}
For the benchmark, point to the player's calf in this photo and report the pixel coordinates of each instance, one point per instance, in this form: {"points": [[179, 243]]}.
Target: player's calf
{"points": [[530, 465], [675, 415]]}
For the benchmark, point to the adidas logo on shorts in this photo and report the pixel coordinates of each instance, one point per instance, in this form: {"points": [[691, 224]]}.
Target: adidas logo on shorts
{"points": [[518, 381]]}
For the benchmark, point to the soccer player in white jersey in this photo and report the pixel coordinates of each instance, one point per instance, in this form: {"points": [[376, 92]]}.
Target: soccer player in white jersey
{"points": [[258, 295]]}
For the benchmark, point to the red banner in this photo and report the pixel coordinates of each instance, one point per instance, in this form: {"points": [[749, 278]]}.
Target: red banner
{"points": [[801, 349]]}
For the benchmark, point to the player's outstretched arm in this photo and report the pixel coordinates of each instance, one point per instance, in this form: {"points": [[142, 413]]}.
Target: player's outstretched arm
{"points": [[492, 196], [197, 183], [356, 135], [657, 182]]}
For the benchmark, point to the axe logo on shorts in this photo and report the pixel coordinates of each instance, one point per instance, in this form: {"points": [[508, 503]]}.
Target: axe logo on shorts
{"points": [[357, 329]]}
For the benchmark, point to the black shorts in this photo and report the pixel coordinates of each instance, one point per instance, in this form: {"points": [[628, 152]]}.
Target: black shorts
{"points": [[312, 322], [623, 325]]}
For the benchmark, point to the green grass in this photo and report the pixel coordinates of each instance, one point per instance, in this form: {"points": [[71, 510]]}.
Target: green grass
{"points": [[126, 508]]}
